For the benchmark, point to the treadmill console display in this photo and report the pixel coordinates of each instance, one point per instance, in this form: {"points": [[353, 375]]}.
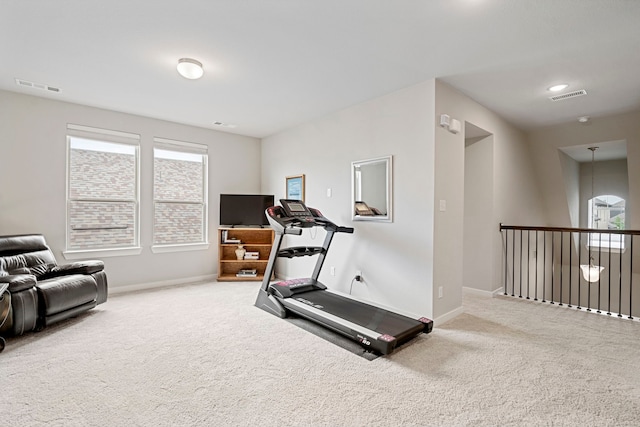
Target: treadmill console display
{"points": [[295, 208]]}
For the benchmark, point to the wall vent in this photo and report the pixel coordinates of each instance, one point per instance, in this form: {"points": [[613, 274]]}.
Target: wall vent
{"points": [[568, 95], [41, 86]]}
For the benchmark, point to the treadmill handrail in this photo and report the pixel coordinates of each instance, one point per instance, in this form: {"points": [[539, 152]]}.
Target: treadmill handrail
{"points": [[291, 230]]}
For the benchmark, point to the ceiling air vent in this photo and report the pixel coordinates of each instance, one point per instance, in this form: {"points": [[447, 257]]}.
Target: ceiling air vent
{"points": [[224, 125], [26, 83], [568, 95]]}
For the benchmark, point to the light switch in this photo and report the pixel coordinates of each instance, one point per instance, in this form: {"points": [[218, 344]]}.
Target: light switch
{"points": [[328, 192], [455, 126], [443, 205]]}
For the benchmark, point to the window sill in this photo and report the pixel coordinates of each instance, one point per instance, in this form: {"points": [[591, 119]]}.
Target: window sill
{"points": [[101, 253], [158, 249]]}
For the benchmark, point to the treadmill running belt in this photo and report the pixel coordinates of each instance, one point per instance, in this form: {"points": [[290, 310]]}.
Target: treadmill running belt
{"points": [[368, 316]]}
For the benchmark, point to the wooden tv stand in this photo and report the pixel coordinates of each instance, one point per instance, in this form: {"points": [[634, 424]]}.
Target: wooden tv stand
{"points": [[252, 239]]}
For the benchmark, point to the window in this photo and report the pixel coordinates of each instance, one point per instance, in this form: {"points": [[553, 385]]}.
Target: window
{"points": [[179, 193], [607, 212], [102, 189]]}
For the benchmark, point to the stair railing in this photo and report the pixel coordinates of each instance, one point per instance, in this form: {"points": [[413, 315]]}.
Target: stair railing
{"points": [[580, 268]]}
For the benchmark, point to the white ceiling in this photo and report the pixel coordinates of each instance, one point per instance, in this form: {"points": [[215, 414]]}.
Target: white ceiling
{"points": [[272, 64], [606, 150]]}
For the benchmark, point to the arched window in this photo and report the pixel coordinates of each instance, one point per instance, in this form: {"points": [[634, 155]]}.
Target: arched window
{"points": [[607, 212]]}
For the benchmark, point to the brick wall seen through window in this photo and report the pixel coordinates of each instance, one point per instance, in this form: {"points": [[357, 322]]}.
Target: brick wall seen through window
{"points": [[179, 197], [102, 196]]}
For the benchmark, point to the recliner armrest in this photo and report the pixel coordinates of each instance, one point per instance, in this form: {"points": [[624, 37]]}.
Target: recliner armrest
{"points": [[80, 267], [19, 282]]}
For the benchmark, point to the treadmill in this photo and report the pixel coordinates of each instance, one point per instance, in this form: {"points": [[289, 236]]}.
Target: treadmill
{"points": [[374, 328]]}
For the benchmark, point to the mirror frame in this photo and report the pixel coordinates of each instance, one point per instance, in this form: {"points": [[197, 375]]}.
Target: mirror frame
{"points": [[388, 161]]}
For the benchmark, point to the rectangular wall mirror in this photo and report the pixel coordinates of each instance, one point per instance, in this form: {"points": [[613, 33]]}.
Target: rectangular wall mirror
{"points": [[371, 189]]}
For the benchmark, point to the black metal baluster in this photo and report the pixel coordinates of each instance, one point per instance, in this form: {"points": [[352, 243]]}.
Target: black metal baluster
{"points": [[513, 264], [599, 265], [570, 265], [620, 284], [528, 260], [579, 269], [561, 264], [553, 262], [631, 279], [544, 269], [609, 280], [537, 257], [589, 281], [506, 259], [520, 292]]}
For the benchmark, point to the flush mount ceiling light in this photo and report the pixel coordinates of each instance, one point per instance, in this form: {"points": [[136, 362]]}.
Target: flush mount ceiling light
{"points": [[190, 68], [558, 88]]}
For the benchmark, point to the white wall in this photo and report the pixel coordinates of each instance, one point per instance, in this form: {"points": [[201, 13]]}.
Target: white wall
{"points": [[406, 262], [515, 197], [33, 168], [479, 226], [403, 262], [545, 143], [396, 259], [571, 173]]}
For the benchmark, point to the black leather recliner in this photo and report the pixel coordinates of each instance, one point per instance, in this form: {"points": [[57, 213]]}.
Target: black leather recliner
{"points": [[43, 292]]}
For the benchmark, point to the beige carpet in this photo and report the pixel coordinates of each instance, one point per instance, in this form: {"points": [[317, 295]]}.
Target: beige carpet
{"points": [[203, 355]]}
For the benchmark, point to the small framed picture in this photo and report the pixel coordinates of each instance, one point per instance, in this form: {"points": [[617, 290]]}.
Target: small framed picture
{"points": [[295, 187]]}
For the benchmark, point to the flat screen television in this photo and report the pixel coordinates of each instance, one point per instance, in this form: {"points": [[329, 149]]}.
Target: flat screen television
{"points": [[244, 209]]}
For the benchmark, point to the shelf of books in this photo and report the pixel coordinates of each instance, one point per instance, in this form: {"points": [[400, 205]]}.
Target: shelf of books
{"points": [[243, 253]]}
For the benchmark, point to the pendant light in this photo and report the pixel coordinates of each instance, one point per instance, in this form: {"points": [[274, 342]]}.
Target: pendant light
{"points": [[590, 272]]}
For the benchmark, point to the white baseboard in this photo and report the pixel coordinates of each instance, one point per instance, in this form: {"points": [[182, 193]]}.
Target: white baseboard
{"points": [[448, 316], [498, 291], [479, 292], [458, 311], [161, 284]]}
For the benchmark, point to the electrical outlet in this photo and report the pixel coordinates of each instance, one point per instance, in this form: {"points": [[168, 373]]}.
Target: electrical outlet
{"points": [[359, 273], [440, 291]]}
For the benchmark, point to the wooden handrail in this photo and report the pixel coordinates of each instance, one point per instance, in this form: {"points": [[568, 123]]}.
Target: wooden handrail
{"points": [[567, 229]]}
